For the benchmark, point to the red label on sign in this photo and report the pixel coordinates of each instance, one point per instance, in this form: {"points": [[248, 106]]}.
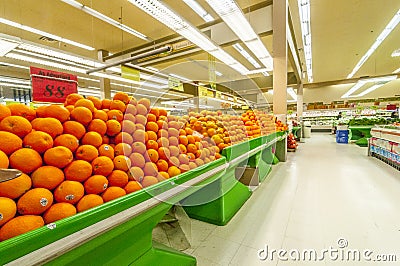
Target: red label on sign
{"points": [[52, 86]]}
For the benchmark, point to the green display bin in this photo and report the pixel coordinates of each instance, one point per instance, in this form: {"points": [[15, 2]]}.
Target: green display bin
{"points": [[359, 132], [118, 233]]}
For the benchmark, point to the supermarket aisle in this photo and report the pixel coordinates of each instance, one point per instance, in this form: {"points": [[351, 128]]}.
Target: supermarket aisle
{"points": [[324, 192]]}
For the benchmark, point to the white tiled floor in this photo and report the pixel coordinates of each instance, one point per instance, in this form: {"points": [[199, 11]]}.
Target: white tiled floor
{"points": [[324, 192]]}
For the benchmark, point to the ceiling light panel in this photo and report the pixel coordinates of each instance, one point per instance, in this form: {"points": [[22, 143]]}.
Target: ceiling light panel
{"points": [[362, 82], [246, 55], [193, 4], [233, 16], [46, 34], [13, 65], [104, 18], [7, 44], [165, 15], [305, 22], [386, 31]]}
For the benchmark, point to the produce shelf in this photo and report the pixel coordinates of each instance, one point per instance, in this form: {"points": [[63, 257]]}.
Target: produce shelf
{"points": [[116, 233]]}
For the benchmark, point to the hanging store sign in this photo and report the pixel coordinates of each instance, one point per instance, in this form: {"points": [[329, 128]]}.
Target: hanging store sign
{"points": [[130, 73], [203, 91], [52, 86], [175, 84]]}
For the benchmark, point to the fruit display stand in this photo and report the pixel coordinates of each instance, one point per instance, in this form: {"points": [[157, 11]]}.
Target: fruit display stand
{"points": [[296, 129], [116, 233]]}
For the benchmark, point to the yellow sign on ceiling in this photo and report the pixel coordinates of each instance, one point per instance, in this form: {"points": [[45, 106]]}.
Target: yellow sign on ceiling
{"points": [[130, 73]]}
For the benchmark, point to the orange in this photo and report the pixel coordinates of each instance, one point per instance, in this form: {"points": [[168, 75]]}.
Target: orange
{"points": [[106, 150], [56, 111], [88, 202], [4, 162], [72, 99], [100, 114], [102, 165], [182, 148], [92, 138], [183, 140], [9, 142], [163, 142], [16, 187], [153, 155], [122, 162], [19, 109], [78, 170], [139, 136], [139, 147], [17, 125], [4, 112], [137, 159], [36, 201], [192, 148], [115, 115], [96, 184], [164, 153], [191, 139], [123, 149], [8, 209], [39, 141], [26, 160], [162, 112], [164, 175], [151, 144], [112, 193], [155, 112], [152, 135], [74, 128], [118, 178], [118, 105], [87, 153], [69, 191], [173, 171], [121, 96], [69, 108], [189, 131], [141, 109], [20, 225], [136, 174], [151, 118], [96, 101], [123, 137], [98, 125], [174, 161], [191, 156], [131, 109], [152, 126], [82, 114], [58, 156], [113, 127], [162, 165], [106, 139], [85, 103], [150, 169], [67, 140], [59, 211], [105, 104], [162, 124], [149, 181], [132, 186], [51, 126], [174, 151], [141, 119], [47, 177], [128, 126], [182, 132]]}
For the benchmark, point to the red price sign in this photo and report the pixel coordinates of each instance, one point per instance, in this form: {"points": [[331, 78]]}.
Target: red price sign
{"points": [[52, 86]]}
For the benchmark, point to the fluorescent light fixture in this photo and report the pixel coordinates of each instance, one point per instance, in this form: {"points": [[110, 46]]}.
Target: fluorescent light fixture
{"points": [[153, 69], [386, 31], [305, 22], [246, 55], [8, 43], [292, 93], [179, 77], [10, 85], [256, 71], [362, 82], [233, 16], [219, 74], [84, 78], [396, 71], [15, 80], [265, 73], [374, 87], [104, 18], [396, 53], [13, 65], [46, 34], [199, 10], [165, 15]]}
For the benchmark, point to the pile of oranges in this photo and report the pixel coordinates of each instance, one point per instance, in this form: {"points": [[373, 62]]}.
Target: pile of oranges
{"points": [[252, 124], [87, 152]]}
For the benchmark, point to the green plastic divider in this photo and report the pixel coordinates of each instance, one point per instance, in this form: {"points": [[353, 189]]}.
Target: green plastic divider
{"points": [[234, 151], [119, 246]]}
